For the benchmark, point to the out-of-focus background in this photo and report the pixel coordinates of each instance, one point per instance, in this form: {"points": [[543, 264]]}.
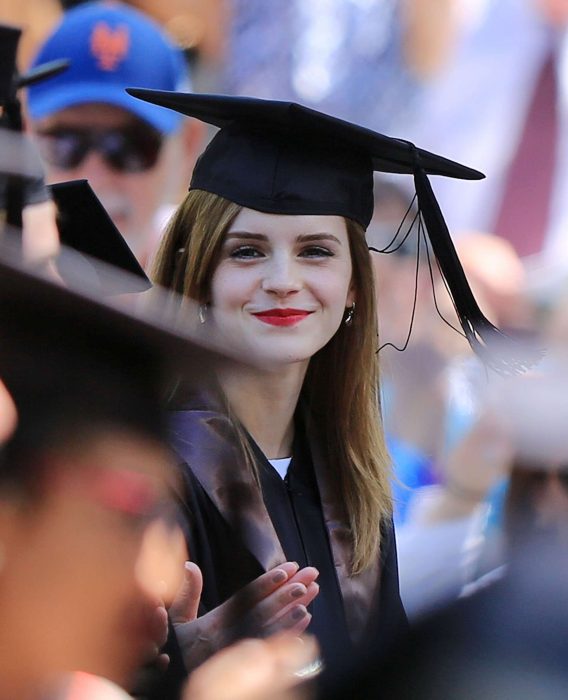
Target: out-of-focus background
{"points": [[483, 82], [480, 81]]}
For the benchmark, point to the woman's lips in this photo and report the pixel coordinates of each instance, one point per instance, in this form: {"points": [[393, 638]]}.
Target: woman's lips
{"points": [[282, 317]]}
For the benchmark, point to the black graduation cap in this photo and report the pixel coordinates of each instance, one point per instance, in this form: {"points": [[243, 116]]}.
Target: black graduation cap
{"points": [[281, 157], [71, 360], [85, 225]]}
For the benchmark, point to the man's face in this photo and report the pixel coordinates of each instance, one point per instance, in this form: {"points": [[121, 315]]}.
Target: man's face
{"points": [[555, 11], [124, 159], [91, 559]]}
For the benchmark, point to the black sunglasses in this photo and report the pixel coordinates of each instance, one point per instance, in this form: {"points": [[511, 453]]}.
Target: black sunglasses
{"points": [[130, 149]]}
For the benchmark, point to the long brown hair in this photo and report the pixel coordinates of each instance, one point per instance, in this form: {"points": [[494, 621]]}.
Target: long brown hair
{"points": [[341, 389]]}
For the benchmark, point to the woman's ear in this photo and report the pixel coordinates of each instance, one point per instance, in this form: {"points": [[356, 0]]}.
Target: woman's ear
{"points": [[351, 296]]}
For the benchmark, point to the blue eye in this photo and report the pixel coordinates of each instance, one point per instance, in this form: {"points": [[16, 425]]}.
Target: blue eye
{"points": [[245, 252]]}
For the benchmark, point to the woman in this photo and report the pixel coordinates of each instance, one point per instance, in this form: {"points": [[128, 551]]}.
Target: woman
{"points": [[285, 462], [287, 286], [90, 545]]}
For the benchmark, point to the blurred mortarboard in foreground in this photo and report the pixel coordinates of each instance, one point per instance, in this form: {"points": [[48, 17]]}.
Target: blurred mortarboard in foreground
{"points": [[283, 158], [85, 225], [70, 360]]}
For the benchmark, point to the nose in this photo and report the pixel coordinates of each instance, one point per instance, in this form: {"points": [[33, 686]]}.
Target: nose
{"points": [[160, 564], [282, 277], [95, 169]]}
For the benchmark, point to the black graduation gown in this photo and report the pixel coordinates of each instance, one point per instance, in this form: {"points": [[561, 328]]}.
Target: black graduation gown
{"points": [[235, 534], [295, 510]]}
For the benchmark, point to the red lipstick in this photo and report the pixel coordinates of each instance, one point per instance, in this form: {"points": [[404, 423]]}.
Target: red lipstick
{"points": [[282, 317]]}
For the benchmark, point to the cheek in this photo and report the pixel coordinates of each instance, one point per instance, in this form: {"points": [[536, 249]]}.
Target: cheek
{"points": [[231, 288], [63, 568], [334, 290], [75, 541], [143, 191]]}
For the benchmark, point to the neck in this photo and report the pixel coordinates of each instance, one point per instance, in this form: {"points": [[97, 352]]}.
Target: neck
{"points": [[265, 402]]}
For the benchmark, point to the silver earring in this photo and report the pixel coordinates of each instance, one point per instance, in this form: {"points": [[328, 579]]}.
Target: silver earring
{"points": [[202, 313], [350, 313]]}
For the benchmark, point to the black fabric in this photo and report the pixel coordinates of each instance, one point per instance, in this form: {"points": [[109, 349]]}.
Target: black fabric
{"points": [[280, 179], [85, 225], [281, 157], [9, 39], [365, 674], [295, 509], [71, 360]]}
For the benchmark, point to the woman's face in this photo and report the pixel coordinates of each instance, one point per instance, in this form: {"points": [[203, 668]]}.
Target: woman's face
{"points": [[282, 285]]}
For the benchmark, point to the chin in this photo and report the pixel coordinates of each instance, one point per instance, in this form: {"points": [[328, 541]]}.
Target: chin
{"points": [[283, 359]]}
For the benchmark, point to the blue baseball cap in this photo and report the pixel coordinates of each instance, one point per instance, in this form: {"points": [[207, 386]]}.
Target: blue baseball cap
{"points": [[110, 47]]}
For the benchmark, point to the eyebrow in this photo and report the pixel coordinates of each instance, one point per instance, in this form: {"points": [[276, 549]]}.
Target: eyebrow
{"points": [[302, 238]]}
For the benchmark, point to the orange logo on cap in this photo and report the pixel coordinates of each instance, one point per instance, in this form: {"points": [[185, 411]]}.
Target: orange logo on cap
{"points": [[109, 46]]}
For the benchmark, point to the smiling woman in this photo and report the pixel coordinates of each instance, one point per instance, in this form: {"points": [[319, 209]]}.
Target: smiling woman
{"points": [[287, 474], [280, 289], [280, 272]]}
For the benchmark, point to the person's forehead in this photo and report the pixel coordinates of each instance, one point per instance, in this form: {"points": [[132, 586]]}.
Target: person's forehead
{"points": [[90, 114], [253, 221]]}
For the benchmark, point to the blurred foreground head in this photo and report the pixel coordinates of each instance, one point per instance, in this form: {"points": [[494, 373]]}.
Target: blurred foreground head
{"points": [[89, 540]]}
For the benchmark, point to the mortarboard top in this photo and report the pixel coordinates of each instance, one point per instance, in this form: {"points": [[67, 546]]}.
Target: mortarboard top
{"points": [[296, 160], [283, 158], [85, 226]]}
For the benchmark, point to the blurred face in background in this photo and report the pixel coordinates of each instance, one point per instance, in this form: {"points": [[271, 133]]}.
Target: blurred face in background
{"points": [[555, 11], [88, 559], [128, 163]]}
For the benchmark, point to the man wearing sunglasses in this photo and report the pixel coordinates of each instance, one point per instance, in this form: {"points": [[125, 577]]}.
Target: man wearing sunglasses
{"points": [[135, 155]]}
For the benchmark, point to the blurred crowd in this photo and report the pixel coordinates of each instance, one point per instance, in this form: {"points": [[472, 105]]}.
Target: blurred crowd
{"points": [[484, 82]]}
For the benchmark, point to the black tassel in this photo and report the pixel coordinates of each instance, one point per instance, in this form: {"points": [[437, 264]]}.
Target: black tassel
{"points": [[496, 349]]}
